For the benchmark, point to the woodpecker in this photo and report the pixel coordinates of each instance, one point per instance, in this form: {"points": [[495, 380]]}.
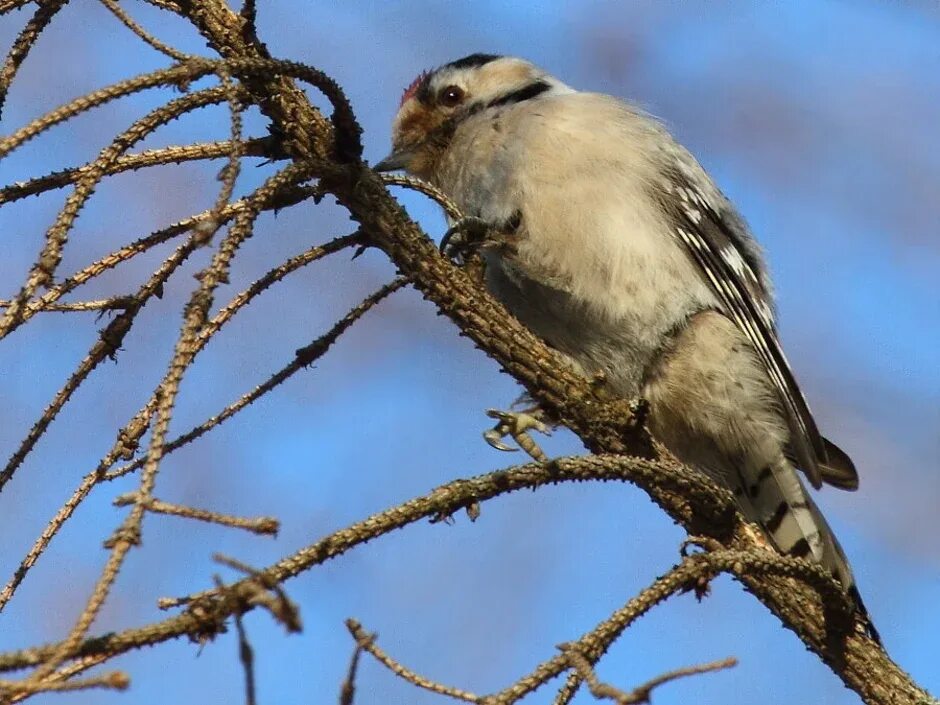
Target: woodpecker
{"points": [[626, 258]]}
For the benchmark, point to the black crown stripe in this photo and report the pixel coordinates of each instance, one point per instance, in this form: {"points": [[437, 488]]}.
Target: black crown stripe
{"points": [[472, 61]]}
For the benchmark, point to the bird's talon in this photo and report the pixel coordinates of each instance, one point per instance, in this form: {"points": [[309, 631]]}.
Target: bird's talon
{"points": [[495, 438], [516, 425], [464, 237]]}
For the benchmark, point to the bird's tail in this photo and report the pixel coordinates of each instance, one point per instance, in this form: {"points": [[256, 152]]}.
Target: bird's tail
{"points": [[778, 501]]}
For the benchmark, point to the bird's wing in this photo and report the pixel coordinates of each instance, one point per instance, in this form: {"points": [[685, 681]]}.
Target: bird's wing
{"points": [[729, 265]]}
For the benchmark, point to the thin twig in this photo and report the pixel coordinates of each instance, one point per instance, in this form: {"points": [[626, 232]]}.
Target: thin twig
{"points": [[129, 435], [303, 358], [283, 199], [234, 96], [642, 693], [170, 5], [108, 344], [25, 41], [74, 668], [268, 526], [245, 653], [367, 642], [249, 13], [185, 73], [129, 22], [128, 534], [127, 439], [14, 691], [247, 657], [280, 606], [43, 271], [347, 690], [596, 642], [10, 5], [255, 147], [428, 189], [115, 303]]}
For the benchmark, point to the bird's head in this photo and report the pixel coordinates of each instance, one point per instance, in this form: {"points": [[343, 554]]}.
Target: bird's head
{"points": [[436, 102]]}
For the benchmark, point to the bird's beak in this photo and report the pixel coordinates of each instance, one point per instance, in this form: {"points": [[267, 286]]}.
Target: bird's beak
{"points": [[398, 159]]}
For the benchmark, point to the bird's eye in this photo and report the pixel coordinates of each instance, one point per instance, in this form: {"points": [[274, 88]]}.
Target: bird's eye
{"points": [[451, 96]]}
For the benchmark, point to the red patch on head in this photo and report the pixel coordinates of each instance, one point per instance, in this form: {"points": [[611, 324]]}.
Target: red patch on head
{"points": [[412, 88]]}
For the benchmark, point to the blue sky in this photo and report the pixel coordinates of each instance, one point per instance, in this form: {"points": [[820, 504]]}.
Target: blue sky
{"points": [[818, 119]]}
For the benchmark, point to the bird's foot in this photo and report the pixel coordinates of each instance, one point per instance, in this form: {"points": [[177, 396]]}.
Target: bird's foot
{"points": [[464, 238], [516, 425]]}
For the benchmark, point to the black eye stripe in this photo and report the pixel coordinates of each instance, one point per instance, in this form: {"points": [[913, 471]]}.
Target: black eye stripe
{"points": [[525, 93]]}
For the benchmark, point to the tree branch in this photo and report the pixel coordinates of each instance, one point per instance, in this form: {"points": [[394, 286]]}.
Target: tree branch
{"points": [[205, 609], [603, 424]]}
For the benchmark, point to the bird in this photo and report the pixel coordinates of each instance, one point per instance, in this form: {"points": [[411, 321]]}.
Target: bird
{"points": [[620, 252]]}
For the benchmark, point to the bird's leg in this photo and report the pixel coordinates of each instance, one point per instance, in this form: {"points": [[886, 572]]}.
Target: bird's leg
{"points": [[517, 424]]}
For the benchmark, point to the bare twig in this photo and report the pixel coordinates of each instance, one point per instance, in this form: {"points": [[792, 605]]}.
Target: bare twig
{"points": [[242, 299], [170, 5], [10, 5], [229, 174], [256, 147], [60, 681], [428, 189], [595, 643], [303, 358], [245, 653], [267, 593], [109, 342], [184, 73], [128, 534], [443, 501], [115, 303], [640, 694], [347, 691], [693, 573], [63, 674], [128, 22], [129, 435], [249, 13], [51, 254], [283, 199], [247, 658], [268, 526], [367, 642], [25, 41]]}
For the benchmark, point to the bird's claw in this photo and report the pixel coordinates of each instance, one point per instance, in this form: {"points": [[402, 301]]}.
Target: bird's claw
{"points": [[494, 437], [516, 425], [464, 237]]}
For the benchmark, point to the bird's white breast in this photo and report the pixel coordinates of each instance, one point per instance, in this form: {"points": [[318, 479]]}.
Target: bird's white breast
{"points": [[597, 271]]}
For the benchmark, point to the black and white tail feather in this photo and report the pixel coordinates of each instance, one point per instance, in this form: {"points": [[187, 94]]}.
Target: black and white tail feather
{"points": [[715, 238]]}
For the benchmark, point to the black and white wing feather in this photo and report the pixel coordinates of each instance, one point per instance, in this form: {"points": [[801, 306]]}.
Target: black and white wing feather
{"points": [[719, 244]]}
